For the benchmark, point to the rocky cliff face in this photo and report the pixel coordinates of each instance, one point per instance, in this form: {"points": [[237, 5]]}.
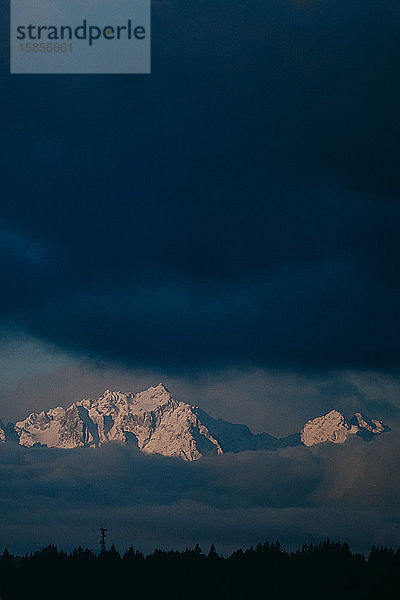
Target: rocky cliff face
{"points": [[333, 427], [156, 423], [152, 420]]}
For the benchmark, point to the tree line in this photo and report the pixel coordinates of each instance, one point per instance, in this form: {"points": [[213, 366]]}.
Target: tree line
{"points": [[319, 571]]}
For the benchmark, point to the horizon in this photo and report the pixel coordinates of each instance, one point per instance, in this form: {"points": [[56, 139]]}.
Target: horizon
{"points": [[127, 547]]}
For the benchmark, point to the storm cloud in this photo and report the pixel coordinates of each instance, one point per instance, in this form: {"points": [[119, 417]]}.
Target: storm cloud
{"points": [[238, 206]]}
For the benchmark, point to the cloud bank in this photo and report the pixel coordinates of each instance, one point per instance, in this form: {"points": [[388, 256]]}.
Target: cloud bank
{"points": [[295, 494]]}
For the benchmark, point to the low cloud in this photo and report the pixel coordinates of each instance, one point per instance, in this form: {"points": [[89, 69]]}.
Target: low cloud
{"points": [[300, 494]]}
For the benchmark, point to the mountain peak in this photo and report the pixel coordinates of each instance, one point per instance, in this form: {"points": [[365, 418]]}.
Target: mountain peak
{"points": [[156, 423], [333, 427], [371, 425], [162, 388], [112, 394], [160, 391]]}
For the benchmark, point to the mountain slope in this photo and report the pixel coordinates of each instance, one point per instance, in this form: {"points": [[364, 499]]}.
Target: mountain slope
{"points": [[156, 423]]}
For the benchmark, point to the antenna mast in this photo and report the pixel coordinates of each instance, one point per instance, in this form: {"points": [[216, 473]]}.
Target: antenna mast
{"points": [[103, 533]]}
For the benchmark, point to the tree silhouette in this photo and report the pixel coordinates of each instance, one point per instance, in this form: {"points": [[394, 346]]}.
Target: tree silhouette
{"points": [[329, 570]]}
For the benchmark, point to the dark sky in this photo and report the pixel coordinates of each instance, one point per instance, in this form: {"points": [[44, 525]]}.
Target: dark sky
{"points": [[239, 205], [229, 225]]}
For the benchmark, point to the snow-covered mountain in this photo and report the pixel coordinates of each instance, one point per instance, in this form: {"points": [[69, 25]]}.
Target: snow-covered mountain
{"points": [[152, 420], [333, 427], [156, 423]]}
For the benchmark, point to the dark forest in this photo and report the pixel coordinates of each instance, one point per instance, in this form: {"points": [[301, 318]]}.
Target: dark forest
{"points": [[326, 570]]}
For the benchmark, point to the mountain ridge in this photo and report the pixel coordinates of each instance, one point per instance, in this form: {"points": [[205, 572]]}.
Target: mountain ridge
{"points": [[156, 423]]}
